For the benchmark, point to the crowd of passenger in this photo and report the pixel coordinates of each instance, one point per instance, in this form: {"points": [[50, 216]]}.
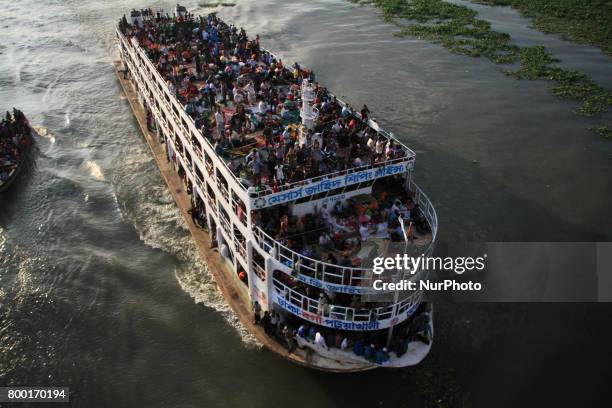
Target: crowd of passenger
{"points": [[14, 139], [246, 102], [336, 232], [371, 345]]}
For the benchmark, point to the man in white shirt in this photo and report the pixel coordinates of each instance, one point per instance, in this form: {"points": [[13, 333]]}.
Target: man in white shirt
{"points": [[380, 146], [372, 143], [280, 174], [336, 127], [220, 120], [316, 138], [320, 341], [364, 232]]}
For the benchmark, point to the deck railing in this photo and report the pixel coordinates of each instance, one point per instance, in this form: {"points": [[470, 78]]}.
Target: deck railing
{"points": [[360, 279], [331, 315]]}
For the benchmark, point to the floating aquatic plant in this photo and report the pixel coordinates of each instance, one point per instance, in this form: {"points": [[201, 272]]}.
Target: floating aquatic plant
{"points": [[588, 22], [458, 29], [604, 131]]}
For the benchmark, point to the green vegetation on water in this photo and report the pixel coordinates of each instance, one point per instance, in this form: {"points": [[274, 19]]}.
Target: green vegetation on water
{"points": [[604, 131], [458, 29], [585, 21]]}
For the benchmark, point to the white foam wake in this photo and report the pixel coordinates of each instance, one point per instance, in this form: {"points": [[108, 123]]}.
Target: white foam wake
{"points": [[160, 225]]}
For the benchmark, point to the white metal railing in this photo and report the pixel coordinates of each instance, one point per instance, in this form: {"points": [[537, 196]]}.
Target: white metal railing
{"points": [[240, 247], [396, 311], [325, 272], [260, 272], [329, 176]]}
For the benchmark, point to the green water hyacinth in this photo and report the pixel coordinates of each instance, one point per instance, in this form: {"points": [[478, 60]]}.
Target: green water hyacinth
{"points": [[458, 29], [583, 21]]}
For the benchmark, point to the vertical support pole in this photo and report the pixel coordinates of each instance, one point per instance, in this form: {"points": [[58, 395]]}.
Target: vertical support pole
{"points": [[390, 333]]}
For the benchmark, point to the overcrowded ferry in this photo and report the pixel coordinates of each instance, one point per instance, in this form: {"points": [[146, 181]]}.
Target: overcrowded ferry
{"points": [[288, 191]]}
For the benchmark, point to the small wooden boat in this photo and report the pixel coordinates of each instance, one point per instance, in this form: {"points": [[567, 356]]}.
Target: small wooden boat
{"points": [[15, 169]]}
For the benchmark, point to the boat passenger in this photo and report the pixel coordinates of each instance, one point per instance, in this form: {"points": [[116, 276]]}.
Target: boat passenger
{"points": [[320, 341], [382, 356], [338, 340], [312, 331], [289, 338], [302, 331], [369, 352], [325, 242], [358, 348], [364, 232], [256, 312]]}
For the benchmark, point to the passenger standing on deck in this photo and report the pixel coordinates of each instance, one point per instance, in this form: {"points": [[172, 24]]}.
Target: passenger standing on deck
{"points": [[320, 341], [365, 112], [280, 174], [220, 122], [256, 312], [289, 339]]}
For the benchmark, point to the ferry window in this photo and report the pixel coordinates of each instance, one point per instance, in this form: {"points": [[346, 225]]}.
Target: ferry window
{"points": [[209, 165], [198, 173], [179, 144], [189, 159], [212, 200], [259, 265], [196, 142], [224, 220], [240, 243], [222, 184], [239, 208]]}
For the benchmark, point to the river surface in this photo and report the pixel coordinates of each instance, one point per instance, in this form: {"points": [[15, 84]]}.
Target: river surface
{"points": [[100, 286]]}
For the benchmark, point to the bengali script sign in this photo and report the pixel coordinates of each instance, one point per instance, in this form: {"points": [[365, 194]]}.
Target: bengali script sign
{"points": [[331, 184], [333, 287], [328, 321]]}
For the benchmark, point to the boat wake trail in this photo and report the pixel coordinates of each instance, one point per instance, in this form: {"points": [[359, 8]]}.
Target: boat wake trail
{"points": [[45, 133], [146, 203]]}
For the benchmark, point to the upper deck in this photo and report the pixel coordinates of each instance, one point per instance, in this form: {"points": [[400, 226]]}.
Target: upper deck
{"points": [[263, 140]]}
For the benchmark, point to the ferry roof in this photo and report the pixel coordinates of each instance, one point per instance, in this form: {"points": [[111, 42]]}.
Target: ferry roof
{"points": [[245, 101]]}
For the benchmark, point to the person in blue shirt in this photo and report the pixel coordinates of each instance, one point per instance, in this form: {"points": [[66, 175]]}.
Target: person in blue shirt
{"points": [[312, 332], [382, 355], [368, 352], [358, 348], [302, 331]]}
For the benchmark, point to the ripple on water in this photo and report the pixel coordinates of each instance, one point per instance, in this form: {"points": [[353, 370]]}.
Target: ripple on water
{"points": [[145, 201]]}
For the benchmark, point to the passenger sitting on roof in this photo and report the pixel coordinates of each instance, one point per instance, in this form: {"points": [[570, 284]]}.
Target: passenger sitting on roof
{"points": [[364, 232], [325, 242]]}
